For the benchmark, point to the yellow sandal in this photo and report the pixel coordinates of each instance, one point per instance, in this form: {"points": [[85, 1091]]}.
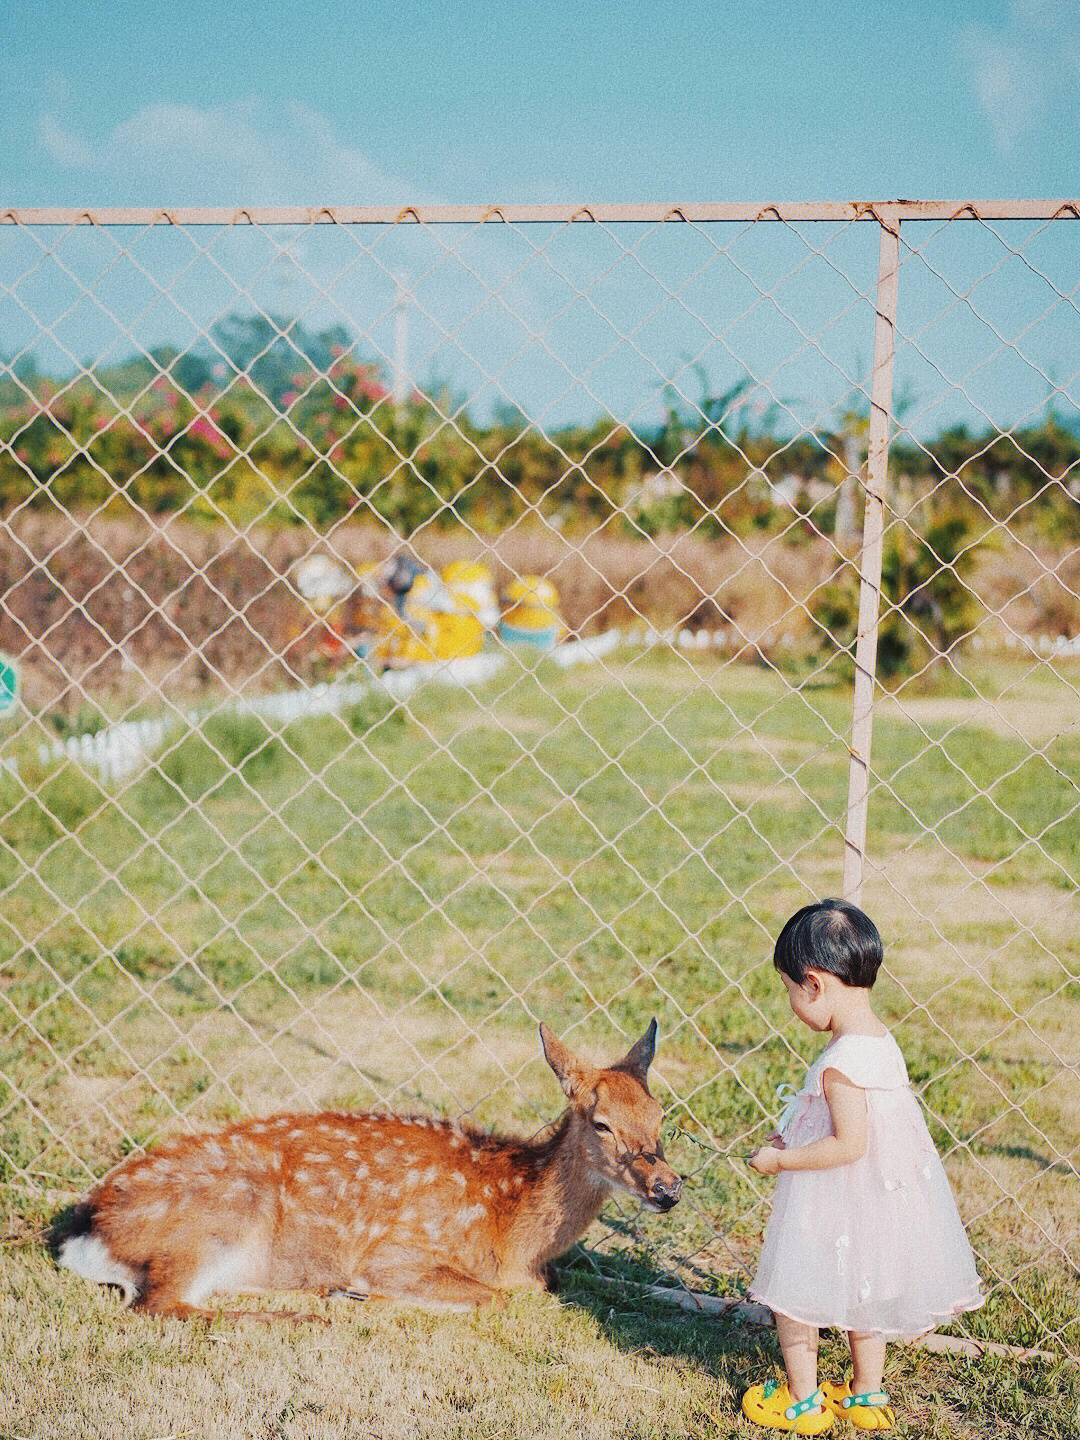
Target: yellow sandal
{"points": [[771, 1405], [869, 1411]]}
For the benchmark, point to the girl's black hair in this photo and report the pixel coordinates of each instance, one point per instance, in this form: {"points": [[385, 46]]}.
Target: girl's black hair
{"points": [[832, 936]]}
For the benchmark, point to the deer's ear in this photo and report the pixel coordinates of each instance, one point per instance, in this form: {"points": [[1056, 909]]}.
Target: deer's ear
{"points": [[561, 1060], [640, 1055]]}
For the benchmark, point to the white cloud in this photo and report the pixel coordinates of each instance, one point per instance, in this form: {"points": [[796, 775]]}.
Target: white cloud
{"points": [[240, 153], [1019, 70], [64, 147]]}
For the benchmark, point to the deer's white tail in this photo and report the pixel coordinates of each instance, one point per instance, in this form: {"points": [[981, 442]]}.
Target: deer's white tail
{"points": [[89, 1256]]}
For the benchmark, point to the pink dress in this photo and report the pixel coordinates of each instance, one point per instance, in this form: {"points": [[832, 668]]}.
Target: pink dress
{"points": [[876, 1245]]}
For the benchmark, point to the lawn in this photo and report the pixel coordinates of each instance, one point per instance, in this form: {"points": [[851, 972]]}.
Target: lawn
{"points": [[375, 910]]}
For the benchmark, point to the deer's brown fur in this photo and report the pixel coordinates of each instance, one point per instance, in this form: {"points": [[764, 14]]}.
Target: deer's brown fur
{"points": [[404, 1207]]}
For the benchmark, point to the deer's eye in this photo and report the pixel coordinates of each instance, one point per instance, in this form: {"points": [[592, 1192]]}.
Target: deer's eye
{"points": [[601, 1127]]}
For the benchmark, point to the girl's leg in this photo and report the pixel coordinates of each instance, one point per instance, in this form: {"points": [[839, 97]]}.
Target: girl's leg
{"points": [[800, 1346], [868, 1361]]}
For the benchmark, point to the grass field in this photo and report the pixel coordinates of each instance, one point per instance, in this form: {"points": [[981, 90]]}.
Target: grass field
{"points": [[376, 909]]}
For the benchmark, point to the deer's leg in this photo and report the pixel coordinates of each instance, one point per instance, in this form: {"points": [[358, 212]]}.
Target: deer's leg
{"points": [[167, 1282], [439, 1286], [180, 1310]]}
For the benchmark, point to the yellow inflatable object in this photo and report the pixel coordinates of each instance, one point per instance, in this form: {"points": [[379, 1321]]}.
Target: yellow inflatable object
{"points": [[472, 585], [430, 627], [532, 613]]}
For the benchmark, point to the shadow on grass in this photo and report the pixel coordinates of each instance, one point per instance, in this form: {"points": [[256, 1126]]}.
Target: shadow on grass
{"points": [[614, 1291]]}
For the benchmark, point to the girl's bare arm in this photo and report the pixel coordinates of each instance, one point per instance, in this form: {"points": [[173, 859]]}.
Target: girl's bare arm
{"points": [[847, 1106]]}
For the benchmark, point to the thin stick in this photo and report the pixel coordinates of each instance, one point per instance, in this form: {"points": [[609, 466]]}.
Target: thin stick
{"points": [[877, 472]]}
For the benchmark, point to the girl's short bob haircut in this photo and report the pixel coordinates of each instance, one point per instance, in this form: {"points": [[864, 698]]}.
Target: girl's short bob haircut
{"points": [[832, 936]]}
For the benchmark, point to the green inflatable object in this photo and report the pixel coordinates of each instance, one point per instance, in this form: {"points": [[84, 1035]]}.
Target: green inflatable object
{"points": [[9, 685]]}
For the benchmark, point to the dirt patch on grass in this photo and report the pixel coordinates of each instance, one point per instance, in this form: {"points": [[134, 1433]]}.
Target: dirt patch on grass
{"points": [[1035, 720]]}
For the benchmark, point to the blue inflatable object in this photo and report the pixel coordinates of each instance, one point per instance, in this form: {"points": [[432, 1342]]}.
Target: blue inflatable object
{"points": [[545, 639]]}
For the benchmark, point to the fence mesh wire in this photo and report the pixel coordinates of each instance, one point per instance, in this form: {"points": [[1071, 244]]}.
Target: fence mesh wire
{"points": [[244, 867]]}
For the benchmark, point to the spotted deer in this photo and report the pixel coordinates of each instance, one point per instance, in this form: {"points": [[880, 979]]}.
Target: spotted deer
{"points": [[399, 1207]]}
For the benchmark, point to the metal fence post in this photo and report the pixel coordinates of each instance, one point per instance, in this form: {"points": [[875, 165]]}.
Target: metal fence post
{"points": [[877, 470]]}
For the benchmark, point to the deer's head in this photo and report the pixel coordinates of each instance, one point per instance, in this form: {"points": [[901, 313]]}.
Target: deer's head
{"points": [[619, 1121]]}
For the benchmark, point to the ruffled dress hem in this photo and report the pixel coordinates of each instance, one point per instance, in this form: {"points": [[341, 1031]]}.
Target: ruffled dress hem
{"points": [[962, 1307]]}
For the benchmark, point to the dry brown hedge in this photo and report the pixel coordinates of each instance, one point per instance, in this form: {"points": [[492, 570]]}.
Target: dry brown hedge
{"points": [[123, 606]]}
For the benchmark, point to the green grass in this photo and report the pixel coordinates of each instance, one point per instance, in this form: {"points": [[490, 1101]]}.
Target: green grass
{"points": [[376, 908], [592, 1362]]}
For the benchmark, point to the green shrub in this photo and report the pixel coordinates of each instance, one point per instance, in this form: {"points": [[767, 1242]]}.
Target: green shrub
{"points": [[926, 603]]}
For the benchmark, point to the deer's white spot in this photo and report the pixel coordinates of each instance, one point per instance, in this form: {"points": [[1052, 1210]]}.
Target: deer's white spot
{"points": [[487, 1192], [153, 1210], [317, 1157], [433, 1228], [504, 1186], [407, 1215], [383, 1157], [301, 1176], [456, 1141], [377, 1229], [458, 1178], [362, 1172], [468, 1213]]}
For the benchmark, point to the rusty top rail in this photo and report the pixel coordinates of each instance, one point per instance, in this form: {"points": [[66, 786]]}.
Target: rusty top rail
{"points": [[887, 212]]}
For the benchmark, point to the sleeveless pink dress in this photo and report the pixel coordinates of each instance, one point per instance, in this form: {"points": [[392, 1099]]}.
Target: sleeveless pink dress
{"points": [[876, 1245]]}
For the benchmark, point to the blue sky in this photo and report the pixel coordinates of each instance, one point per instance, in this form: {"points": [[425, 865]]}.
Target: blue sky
{"points": [[229, 104], [302, 102]]}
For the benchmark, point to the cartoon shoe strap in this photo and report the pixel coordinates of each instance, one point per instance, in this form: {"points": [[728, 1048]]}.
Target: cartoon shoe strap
{"points": [[803, 1407], [873, 1399]]}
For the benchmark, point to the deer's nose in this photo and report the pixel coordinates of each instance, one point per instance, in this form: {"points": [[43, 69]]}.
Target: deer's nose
{"points": [[665, 1192]]}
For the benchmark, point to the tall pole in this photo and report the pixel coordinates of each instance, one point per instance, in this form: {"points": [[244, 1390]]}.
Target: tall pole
{"points": [[877, 474]]}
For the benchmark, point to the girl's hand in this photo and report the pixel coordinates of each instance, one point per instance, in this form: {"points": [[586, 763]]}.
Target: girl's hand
{"points": [[776, 1140], [766, 1161]]}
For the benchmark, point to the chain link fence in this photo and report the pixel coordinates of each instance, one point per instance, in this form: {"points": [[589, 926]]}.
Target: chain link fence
{"points": [[284, 825]]}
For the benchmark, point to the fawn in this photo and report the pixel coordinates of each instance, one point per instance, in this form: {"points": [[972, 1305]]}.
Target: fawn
{"points": [[400, 1207]]}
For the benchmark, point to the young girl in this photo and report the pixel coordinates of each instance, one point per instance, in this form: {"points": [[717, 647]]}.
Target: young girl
{"points": [[864, 1233]]}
